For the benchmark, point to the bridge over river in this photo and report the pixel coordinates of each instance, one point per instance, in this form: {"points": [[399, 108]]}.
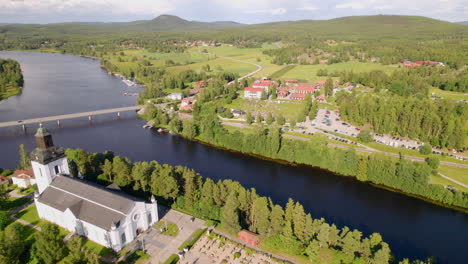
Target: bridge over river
{"points": [[70, 116]]}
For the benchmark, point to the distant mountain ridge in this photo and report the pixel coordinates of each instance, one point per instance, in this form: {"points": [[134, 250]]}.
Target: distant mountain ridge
{"points": [[390, 24], [462, 22]]}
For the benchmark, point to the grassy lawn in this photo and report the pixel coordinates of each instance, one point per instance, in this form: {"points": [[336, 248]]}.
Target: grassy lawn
{"points": [[448, 94], [98, 249], [30, 215], [289, 109], [173, 259], [309, 72], [9, 92], [171, 228], [442, 181], [138, 257], [459, 174], [193, 239], [12, 203], [218, 64]]}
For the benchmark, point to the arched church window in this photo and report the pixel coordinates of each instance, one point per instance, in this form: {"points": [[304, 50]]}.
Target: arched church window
{"points": [[135, 217], [123, 238]]}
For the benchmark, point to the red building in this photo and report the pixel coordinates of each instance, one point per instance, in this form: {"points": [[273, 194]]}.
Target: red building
{"points": [[290, 81], [248, 237], [282, 92], [305, 89], [298, 96]]}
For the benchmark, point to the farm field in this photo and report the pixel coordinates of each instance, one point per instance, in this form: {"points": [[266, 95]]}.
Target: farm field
{"points": [[448, 94], [309, 72]]}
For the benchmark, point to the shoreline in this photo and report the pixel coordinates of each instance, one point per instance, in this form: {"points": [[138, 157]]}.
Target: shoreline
{"points": [[285, 162]]}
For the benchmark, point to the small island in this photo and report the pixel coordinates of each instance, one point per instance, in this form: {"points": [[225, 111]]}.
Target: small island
{"points": [[11, 78]]}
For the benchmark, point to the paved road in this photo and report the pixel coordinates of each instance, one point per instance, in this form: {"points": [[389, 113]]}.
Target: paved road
{"points": [[452, 180], [69, 116], [259, 67], [367, 150]]}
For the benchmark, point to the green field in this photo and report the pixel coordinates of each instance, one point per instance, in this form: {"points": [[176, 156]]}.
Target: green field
{"points": [[218, 64], [442, 181], [459, 174], [288, 109], [448, 94], [309, 72]]}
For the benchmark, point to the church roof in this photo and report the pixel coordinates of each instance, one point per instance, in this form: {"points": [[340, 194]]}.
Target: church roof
{"points": [[42, 132], [87, 201]]}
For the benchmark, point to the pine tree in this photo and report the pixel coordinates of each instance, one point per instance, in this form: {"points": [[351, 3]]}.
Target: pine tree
{"points": [[313, 251], [329, 87], [248, 118], [280, 120], [25, 162], [190, 188], [259, 118], [12, 244], [48, 246], [230, 214], [299, 222], [362, 170], [276, 220], [269, 120], [260, 216], [323, 235]]}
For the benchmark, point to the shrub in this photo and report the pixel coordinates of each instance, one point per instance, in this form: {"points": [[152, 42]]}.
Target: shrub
{"points": [[237, 255], [433, 162], [4, 220], [426, 149], [365, 136]]}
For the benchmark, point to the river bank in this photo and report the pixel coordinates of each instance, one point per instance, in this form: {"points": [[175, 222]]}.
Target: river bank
{"points": [[294, 163]]}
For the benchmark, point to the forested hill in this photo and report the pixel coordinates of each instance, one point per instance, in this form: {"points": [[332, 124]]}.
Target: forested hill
{"points": [[160, 23]]}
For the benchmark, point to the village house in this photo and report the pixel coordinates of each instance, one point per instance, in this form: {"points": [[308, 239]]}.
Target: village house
{"points": [[320, 98], [320, 84], [237, 112], [282, 92], [200, 84], [304, 89], [187, 104], [253, 93], [103, 215], [4, 180], [265, 84], [23, 178], [248, 237], [175, 96], [298, 96], [195, 91], [290, 82]]}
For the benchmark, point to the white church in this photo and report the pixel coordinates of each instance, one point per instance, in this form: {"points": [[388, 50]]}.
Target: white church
{"points": [[105, 216]]}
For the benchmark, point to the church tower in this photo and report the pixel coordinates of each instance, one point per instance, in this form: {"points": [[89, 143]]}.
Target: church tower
{"points": [[47, 160]]}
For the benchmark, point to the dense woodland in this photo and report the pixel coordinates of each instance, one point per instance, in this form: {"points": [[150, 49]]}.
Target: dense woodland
{"points": [[401, 174], [11, 77], [289, 229], [440, 122]]}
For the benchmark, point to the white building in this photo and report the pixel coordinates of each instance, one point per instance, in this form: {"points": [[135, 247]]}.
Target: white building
{"points": [[253, 93], [175, 96], [105, 216], [23, 178]]}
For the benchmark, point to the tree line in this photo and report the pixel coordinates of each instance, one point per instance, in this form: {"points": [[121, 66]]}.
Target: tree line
{"points": [[288, 229], [439, 122], [11, 76]]}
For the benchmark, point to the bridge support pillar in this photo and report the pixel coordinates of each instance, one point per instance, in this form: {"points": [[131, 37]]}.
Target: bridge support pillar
{"points": [[118, 115], [58, 123], [24, 128]]}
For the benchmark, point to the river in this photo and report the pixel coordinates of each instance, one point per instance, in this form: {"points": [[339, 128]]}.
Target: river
{"points": [[58, 84]]}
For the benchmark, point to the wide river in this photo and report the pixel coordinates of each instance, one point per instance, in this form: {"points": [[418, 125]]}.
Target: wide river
{"points": [[59, 84]]}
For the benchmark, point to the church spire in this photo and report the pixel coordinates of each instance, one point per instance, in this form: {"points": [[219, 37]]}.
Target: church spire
{"points": [[43, 138]]}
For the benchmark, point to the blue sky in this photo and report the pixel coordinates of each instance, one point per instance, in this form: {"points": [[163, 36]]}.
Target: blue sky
{"points": [[244, 11]]}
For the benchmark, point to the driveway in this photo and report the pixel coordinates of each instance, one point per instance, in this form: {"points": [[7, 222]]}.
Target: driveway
{"points": [[160, 247]]}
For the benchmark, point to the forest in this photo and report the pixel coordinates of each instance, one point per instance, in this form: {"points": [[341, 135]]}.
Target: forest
{"points": [[11, 78], [399, 174], [289, 229], [440, 122]]}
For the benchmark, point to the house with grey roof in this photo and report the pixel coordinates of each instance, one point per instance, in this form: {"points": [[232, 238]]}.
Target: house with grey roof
{"points": [[104, 215]]}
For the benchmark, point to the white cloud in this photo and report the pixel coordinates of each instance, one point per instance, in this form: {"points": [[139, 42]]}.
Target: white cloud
{"points": [[86, 6], [273, 11], [308, 8]]}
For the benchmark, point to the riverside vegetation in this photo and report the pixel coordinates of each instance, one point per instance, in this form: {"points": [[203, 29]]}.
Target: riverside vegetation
{"points": [[286, 229], [11, 78]]}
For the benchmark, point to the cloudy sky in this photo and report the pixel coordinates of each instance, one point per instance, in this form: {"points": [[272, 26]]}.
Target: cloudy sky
{"points": [[244, 11]]}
